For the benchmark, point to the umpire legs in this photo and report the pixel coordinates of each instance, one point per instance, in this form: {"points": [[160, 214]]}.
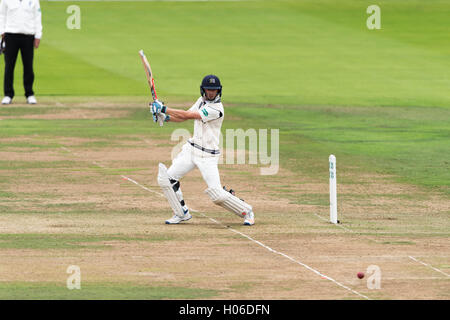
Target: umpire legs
{"points": [[27, 51], [14, 43]]}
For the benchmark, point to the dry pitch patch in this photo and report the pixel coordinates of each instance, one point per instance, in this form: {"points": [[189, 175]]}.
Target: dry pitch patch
{"points": [[68, 203]]}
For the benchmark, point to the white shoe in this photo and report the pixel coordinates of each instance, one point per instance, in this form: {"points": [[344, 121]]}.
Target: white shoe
{"points": [[6, 100], [31, 100], [176, 219], [249, 219]]}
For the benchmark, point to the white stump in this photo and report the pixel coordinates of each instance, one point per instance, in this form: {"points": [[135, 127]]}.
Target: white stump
{"points": [[333, 191]]}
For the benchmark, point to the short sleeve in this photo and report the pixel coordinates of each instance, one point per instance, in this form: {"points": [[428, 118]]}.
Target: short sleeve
{"points": [[195, 105], [209, 113]]}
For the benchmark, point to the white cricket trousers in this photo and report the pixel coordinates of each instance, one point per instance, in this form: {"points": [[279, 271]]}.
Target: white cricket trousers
{"points": [[187, 160]]}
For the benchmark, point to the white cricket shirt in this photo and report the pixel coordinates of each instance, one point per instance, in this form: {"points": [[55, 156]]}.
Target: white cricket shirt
{"points": [[21, 16], [207, 130]]}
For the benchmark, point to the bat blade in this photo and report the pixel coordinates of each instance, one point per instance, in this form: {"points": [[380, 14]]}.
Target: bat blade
{"points": [[150, 79], [149, 74]]}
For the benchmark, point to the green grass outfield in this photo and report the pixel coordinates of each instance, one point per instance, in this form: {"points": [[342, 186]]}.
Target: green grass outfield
{"points": [[377, 99], [97, 291], [310, 68], [288, 52]]}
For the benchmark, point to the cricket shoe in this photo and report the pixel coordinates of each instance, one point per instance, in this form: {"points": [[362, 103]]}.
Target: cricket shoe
{"points": [[176, 219], [249, 219], [6, 100], [31, 100]]}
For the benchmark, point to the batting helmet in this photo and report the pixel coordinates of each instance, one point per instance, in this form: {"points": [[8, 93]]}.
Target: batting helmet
{"points": [[210, 82]]}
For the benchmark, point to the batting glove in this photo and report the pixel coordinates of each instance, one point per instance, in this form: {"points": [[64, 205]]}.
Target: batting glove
{"points": [[158, 107], [166, 117]]}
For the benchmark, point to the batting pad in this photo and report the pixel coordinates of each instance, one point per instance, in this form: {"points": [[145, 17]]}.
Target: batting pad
{"points": [[229, 201], [169, 193]]}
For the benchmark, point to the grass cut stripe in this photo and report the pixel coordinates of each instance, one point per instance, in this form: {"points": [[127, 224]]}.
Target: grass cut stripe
{"points": [[98, 291]]}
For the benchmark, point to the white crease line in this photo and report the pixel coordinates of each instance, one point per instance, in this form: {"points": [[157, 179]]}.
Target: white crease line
{"points": [[412, 258], [300, 263], [75, 154], [245, 236], [412, 278], [145, 188], [350, 230], [367, 237], [261, 244], [383, 233], [99, 164], [338, 225], [428, 265]]}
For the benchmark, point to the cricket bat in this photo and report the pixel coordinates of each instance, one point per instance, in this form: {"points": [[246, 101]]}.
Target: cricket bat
{"points": [[151, 80]]}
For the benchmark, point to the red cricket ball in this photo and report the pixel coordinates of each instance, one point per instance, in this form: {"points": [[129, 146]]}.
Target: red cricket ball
{"points": [[360, 275]]}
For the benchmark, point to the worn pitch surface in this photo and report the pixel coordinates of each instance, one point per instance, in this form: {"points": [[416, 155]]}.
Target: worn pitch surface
{"points": [[94, 202]]}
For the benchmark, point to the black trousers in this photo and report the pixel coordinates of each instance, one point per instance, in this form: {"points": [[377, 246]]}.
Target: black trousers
{"points": [[25, 43]]}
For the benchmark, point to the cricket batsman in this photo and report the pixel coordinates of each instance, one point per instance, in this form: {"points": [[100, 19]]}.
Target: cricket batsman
{"points": [[201, 151]]}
